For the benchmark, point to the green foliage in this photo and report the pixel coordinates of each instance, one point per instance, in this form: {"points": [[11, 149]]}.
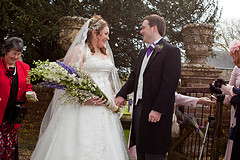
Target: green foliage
{"points": [[125, 20], [37, 23], [126, 132], [181, 12]]}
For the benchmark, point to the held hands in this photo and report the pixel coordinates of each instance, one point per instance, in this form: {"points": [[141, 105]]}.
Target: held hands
{"points": [[120, 101], [154, 116], [99, 102]]}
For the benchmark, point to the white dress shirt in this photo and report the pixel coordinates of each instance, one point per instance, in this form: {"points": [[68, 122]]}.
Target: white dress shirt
{"points": [[140, 78]]}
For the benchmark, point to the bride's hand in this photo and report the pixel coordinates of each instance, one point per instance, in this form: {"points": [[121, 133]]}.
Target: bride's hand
{"points": [[95, 102]]}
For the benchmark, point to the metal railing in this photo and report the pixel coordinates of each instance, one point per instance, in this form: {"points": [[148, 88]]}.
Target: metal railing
{"points": [[188, 145]]}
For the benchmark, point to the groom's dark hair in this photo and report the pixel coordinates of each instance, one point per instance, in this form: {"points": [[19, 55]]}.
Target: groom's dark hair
{"points": [[157, 20]]}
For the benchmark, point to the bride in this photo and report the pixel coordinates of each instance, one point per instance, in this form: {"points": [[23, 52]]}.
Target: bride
{"points": [[91, 131]]}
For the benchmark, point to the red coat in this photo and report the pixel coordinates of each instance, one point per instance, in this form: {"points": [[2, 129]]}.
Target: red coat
{"points": [[23, 87]]}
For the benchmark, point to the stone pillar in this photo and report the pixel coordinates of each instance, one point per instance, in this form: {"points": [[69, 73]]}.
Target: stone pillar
{"points": [[198, 40], [70, 27]]}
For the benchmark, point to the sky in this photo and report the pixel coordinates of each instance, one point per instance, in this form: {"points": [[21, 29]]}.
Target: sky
{"points": [[231, 9]]}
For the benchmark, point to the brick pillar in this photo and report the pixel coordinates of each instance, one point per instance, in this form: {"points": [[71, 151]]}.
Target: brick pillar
{"points": [[195, 75], [198, 40]]}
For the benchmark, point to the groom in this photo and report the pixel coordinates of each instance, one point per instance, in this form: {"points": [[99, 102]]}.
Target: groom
{"points": [[153, 81]]}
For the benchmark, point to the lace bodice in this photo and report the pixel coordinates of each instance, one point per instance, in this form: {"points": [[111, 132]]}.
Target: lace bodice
{"points": [[99, 69]]}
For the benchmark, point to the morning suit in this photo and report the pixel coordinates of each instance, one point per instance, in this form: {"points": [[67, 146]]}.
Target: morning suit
{"points": [[160, 80]]}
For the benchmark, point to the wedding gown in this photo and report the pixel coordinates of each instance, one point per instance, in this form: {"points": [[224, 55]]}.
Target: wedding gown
{"points": [[77, 132]]}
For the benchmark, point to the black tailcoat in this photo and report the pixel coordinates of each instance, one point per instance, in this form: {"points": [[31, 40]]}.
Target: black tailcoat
{"points": [[160, 80]]}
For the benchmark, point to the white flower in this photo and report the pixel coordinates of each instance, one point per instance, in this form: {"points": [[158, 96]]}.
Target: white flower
{"points": [[77, 89]]}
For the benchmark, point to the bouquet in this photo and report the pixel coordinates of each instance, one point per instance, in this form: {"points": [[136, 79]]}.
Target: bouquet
{"points": [[190, 119], [79, 85]]}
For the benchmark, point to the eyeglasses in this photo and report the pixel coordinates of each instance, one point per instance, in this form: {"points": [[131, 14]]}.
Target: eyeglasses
{"points": [[15, 53]]}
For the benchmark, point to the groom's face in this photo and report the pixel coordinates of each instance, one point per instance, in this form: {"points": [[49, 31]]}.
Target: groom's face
{"points": [[147, 32]]}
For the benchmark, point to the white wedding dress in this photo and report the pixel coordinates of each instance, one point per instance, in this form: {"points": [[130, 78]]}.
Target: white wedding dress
{"points": [[77, 132]]}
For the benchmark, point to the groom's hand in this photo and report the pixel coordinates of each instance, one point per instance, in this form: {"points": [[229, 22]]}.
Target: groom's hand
{"points": [[154, 116], [120, 101]]}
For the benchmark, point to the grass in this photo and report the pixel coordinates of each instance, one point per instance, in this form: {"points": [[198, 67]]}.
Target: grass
{"points": [[126, 132]]}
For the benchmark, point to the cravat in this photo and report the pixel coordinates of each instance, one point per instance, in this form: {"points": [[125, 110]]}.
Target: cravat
{"points": [[149, 50]]}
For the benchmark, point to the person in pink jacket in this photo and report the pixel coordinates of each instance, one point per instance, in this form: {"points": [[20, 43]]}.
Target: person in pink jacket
{"points": [[235, 82], [185, 101]]}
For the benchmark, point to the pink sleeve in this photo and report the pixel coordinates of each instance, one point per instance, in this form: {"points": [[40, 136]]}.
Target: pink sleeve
{"points": [[232, 80], [185, 100]]}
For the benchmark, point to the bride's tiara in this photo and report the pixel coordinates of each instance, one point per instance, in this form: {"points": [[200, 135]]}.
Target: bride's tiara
{"points": [[96, 24]]}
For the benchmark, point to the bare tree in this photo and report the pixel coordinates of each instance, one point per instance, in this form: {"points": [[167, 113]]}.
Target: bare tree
{"points": [[226, 31]]}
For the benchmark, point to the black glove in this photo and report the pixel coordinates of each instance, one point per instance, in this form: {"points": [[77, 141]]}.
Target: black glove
{"points": [[215, 89], [219, 82]]}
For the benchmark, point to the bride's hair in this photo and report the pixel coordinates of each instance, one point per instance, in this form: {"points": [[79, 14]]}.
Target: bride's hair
{"points": [[97, 23]]}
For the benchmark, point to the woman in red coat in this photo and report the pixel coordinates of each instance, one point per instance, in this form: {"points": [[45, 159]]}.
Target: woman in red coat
{"points": [[13, 88]]}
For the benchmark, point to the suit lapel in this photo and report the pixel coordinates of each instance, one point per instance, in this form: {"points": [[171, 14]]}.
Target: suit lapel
{"points": [[153, 55]]}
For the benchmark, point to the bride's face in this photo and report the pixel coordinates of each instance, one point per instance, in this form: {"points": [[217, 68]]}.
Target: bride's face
{"points": [[103, 37]]}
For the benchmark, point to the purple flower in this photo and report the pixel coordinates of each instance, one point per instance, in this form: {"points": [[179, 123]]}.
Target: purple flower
{"points": [[52, 85], [130, 102], [68, 68], [158, 48]]}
